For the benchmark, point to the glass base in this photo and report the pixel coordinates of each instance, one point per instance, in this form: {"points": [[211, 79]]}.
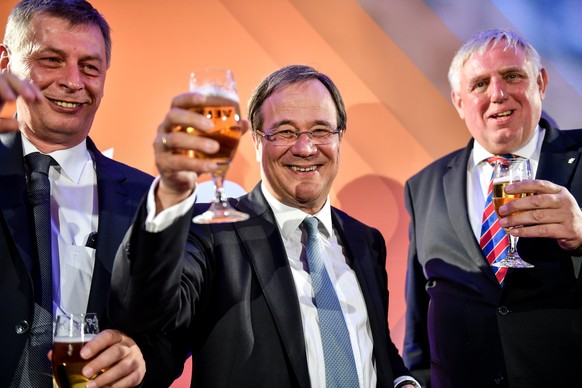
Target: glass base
{"points": [[219, 213], [512, 262]]}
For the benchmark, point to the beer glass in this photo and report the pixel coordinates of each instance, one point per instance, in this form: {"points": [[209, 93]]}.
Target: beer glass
{"points": [[71, 333], [506, 172], [218, 85]]}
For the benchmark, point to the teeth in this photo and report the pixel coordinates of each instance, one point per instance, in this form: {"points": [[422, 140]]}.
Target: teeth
{"points": [[66, 104], [301, 169], [503, 114]]}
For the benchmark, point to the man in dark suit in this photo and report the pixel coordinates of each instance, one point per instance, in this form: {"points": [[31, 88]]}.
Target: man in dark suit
{"points": [[470, 327], [54, 60], [244, 290]]}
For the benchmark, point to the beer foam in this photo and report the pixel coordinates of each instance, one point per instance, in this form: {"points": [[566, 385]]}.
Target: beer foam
{"points": [[213, 90], [75, 339]]}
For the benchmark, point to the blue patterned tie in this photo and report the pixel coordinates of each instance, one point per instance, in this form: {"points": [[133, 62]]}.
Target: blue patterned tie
{"points": [[39, 199], [340, 367]]}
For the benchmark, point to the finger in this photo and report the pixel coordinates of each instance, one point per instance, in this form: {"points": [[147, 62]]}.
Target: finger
{"points": [[11, 87], [176, 142], [535, 186], [99, 343]]}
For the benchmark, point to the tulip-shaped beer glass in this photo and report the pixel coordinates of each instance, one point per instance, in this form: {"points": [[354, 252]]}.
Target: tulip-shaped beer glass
{"points": [[219, 86]]}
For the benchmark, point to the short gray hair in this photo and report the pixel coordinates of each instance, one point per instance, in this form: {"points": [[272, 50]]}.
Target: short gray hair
{"points": [[481, 42]]}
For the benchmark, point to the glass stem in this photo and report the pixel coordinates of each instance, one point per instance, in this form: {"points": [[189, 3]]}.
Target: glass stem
{"points": [[512, 244], [219, 196]]}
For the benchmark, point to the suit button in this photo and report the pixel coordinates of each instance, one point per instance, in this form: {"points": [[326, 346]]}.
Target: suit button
{"points": [[431, 284], [503, 310], [22, 327]]}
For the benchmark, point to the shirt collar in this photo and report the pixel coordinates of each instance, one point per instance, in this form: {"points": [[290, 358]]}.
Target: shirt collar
{"points": [[528, 151], [289, 218], [71, 160]]}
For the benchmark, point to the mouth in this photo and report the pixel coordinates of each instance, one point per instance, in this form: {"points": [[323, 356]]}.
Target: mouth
{"points": [[503, 114], [65, 104], [303, 169]]}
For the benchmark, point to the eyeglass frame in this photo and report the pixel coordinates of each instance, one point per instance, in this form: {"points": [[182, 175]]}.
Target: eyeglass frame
{"points": [[297, 135]]}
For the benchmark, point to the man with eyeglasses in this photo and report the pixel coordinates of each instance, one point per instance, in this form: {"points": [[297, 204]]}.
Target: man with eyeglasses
{"points": [[247, 292]]}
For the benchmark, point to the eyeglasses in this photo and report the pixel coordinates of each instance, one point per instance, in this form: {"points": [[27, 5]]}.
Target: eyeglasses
{"points": [[287, 138]]}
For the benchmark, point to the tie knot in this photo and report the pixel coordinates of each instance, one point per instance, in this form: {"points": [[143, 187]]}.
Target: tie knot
{"points": [[310, 225], [500, 158], [38, 162]]}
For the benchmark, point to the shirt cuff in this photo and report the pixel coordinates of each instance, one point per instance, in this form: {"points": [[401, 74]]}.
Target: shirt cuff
{"points": [[403, 380], [157, 223]]}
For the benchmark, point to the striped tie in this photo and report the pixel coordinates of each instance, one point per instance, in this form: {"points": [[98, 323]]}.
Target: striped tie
{"points": [[494, 241]]}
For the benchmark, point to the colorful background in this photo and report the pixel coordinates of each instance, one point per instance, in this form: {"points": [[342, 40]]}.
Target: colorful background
{"points": [[388, 57]]}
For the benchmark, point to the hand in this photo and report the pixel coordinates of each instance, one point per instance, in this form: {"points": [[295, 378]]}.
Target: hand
{"points": [[118, 356], [551, 213], [12, 87], [179, 172]]}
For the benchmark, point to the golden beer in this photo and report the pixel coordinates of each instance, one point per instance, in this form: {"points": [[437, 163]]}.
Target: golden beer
{"points": [[67, 362], [226, 132], [500, 197]]}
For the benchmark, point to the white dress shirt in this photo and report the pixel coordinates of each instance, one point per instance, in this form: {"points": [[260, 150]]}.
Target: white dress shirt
{"points": [[74, 215], [479, 175], [346, 287]]}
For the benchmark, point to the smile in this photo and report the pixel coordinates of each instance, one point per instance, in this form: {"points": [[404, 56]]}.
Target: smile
{"points": [[303, 169], [502, 114], [65, 104]]}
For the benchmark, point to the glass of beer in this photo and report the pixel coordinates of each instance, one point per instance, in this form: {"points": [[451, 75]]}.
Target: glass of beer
{"points": [[71, 333], [223, 109], [506, 172]]}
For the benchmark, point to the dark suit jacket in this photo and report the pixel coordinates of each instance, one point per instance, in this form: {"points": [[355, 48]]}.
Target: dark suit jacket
{"points": [[470, 331], [120, 189], [235, 293]]}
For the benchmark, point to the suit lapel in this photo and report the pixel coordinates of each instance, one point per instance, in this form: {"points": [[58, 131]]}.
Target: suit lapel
{"points": [[13, 202], [114, 219], [262, 240], [455, 189], [559, 157], [364, 266]]}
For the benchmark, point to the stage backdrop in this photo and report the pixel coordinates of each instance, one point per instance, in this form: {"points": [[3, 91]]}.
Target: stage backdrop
{"points": [[388, 57]]}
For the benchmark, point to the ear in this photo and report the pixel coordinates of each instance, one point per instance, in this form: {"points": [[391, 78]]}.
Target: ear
{"points": [[4, 58], [542, 82], [458, 103]]}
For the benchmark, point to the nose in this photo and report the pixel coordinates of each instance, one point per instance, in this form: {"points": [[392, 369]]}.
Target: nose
{"points": [[304, 146], [72, 78], [498, 92]]}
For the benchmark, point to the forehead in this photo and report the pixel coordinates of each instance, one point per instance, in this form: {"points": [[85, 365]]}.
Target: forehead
{"points": [[56, 33], [302, 103], [495, 59]]}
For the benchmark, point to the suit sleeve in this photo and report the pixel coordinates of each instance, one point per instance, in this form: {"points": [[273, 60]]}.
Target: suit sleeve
{"points": [[416, 346], [157, 278]]}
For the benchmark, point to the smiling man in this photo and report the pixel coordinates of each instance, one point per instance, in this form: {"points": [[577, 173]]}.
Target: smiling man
{"points": [[244, 293], [470, 323], [53, 62]]}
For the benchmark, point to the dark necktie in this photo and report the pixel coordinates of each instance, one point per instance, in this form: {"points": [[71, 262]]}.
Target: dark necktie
{"points": [[39, 199], [494, 241], [340, 367]]}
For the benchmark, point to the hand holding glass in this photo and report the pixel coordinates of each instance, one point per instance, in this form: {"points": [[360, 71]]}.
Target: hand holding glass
{"points": [[219, 84], [506, 172], [71, 333]]}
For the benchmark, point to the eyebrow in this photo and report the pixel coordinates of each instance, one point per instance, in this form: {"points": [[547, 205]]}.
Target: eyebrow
{"points": [[88, 57], [279, 123]]}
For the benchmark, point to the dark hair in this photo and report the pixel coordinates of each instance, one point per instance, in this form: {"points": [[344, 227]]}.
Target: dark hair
{"points": [[290, 75], [76, 12]]}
